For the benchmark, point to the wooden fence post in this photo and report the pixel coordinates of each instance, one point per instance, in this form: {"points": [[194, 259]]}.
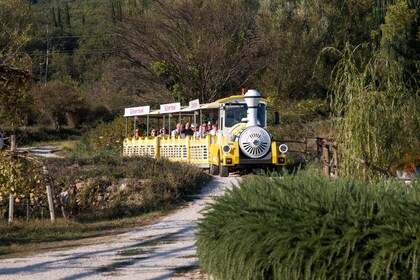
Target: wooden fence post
{"points": [[11, 207], [11, 198], [27, 208], [326, 156], [13, 143], [335, 156], [49, 194]]}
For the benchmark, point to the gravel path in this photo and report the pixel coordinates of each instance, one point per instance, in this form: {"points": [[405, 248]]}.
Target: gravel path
{"points": [[165, 250]]}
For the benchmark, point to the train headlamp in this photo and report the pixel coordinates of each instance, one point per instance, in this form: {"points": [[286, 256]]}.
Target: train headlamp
{"points": [[283, 148], [226, 148]]}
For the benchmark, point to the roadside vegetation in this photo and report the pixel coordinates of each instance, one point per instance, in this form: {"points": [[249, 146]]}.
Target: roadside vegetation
{"points": [[93, 196], [306, 226], [96, 192]]}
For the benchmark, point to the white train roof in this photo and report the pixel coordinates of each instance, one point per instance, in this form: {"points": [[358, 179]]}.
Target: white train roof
{"points": [[142, 111]]}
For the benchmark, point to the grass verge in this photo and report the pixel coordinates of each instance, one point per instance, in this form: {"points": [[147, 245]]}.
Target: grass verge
{"points": [[25, 238]]}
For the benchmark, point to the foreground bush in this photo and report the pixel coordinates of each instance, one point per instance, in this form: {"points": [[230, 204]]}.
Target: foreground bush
{"points": [[308, 227]]}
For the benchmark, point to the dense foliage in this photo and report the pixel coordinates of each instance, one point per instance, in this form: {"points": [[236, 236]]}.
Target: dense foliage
{"points": [[20, 177], [15, 65], [376, 115], [306, 226], [104, 138]]}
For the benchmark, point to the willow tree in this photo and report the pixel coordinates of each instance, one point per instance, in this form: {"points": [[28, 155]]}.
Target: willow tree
{"points": [[376, 114], [376, 104]]}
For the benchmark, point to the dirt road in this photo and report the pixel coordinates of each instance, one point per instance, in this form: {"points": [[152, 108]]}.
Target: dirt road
{"points": [[165, 250]]}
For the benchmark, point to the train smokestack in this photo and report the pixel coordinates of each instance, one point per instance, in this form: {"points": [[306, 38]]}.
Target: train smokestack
{"points": [[252, 99]]}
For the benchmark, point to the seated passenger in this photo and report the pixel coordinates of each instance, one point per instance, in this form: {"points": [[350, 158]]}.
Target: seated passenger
{"points": [[195, 127], [202, 131], [182, 135], [163, 132], [197, 130], [137, 133], [214, 130], [177, 131], [188, 131], [153, 132]]}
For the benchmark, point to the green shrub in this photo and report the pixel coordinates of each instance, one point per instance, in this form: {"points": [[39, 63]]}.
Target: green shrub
{"points": [[308, 227], [104, 139]]}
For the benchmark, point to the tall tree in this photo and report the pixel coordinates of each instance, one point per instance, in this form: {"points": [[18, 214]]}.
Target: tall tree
{"points": [[13, 36], [376, 115], [192, 49], [58, 103], [400, 41], [297, 30], [15, 66]]}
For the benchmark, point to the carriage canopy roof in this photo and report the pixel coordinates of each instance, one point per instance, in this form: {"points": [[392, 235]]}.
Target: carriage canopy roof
{"points": [[174, 108]]}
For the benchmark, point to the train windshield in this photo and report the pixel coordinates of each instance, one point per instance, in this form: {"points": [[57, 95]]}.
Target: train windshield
{"points": [[236, 112]]}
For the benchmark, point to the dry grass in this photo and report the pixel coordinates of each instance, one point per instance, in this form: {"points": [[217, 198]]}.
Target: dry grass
{"points": [[28, 238]]}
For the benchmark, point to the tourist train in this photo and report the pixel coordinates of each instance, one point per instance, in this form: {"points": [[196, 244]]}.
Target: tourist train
{"points": [[242, 141]]}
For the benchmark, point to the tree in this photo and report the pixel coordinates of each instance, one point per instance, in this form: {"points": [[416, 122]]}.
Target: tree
{"points": [[400, 40], [59, 103], [296, 31], [20, 178], [192, 49], [13, 36], [75, 36], [15, 66], [375, 115]]}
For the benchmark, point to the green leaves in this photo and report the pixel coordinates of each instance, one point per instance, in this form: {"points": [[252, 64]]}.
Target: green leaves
{"points": [[14, 66], [19, 175], [375, 114]]}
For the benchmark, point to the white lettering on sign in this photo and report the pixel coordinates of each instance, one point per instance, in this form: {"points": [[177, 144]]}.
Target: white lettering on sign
{"points": [[136, 111], [172, 107], [194, 104]]}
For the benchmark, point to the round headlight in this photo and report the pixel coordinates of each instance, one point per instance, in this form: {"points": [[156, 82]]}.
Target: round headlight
{"points": [[283, 148], [226, 148]]}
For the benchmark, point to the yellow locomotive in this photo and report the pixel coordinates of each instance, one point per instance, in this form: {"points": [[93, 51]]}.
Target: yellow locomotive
{"points": [[241, 142]]}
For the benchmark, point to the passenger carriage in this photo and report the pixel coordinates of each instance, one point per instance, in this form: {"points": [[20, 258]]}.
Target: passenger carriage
{"points": [[242, 141]]}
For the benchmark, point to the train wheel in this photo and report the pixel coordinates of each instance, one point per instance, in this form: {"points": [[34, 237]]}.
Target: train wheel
{"points": [[224, 171], [214, 169]]}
